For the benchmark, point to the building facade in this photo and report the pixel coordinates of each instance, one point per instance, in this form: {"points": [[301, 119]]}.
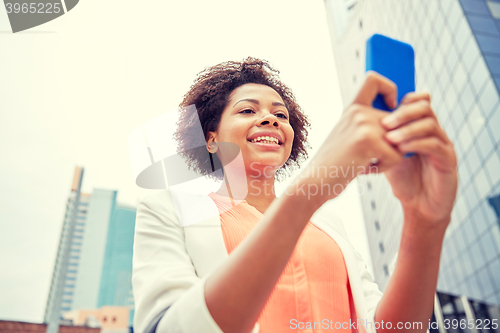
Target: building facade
{"points": [[457, 59], [62, 288], [99, 266]]}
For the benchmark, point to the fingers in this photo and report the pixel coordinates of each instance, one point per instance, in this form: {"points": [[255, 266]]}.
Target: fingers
{"points": [[424, 127], [408, 112], [377, 84], [385, 154], [440, 153], [414, 96]]}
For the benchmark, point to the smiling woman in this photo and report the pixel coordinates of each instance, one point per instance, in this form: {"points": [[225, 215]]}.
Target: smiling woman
{"points": [[261, 263], [211, 94]]}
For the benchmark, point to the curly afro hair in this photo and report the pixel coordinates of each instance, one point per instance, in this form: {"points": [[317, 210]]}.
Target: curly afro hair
{"points": [[210, 94]]}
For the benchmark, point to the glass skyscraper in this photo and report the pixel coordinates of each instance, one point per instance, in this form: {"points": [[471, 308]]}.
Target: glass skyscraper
{"points": [[116, 278], [63, 282], [99, 268], [457, 59]]}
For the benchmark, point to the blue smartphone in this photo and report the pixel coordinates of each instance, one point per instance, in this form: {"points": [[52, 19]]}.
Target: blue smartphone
{"points": [[396, 61]]}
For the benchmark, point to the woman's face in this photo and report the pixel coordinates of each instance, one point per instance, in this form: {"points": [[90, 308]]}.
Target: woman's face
{"points": [[256, 119]]}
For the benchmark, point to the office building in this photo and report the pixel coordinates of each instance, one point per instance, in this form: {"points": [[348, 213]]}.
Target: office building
{"points": [[66, 267], [99, 269], [457, 59]]}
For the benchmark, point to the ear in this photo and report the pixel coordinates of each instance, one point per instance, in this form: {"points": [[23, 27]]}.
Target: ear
{"points": [[212, 142]]}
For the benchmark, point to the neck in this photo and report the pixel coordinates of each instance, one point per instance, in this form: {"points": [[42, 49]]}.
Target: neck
{"points": [[257, 191]]}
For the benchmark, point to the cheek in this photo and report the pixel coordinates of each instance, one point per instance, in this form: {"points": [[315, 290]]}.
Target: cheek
{"points": [[289, 134]]}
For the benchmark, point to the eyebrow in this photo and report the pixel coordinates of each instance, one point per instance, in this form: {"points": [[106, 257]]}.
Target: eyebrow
{"points": [[257, 102]]}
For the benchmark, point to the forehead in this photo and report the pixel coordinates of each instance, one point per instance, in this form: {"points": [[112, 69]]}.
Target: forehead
{"points": [[255, 91]]}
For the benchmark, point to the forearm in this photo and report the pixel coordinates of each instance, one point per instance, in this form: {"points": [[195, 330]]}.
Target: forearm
{"points": [[409, 296], [237, 292]]}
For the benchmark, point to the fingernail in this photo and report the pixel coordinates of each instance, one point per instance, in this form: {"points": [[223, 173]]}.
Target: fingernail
{"points": [[390, 121]]}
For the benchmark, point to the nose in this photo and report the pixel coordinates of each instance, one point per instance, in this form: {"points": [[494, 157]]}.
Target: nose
{"points": [[269, 119]]}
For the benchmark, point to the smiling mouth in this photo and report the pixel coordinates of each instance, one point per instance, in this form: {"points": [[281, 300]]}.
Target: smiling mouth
{"points": [[266, 140]]}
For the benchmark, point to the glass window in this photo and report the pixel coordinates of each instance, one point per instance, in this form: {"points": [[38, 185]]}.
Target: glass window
{"points": [[463, 173], [474, 287], [461, 239], [479, 75], [462, 35], [480, 220], [476, 121], [454, 15], [467, 231], [497, 82], [470, 195], [445, 40], [452, 60], [466, 263], [490, 251], [448, 129], [381, 247], [484, 280], [494, 267], [484, 143], [494, 8], [488, 43], [494, 202], [495, 233], [438, 24], [461, 206], [475, 7], [451, 248], [493, 122], [482, 184], [443, 80], [482, 24], [431, 49], [493, 168], [386, 270], [473, 160], [476, 252], [467, 98], [460, 268], [470, 53], [465, 137], [459, 77], [493, 64], [488, 98]]}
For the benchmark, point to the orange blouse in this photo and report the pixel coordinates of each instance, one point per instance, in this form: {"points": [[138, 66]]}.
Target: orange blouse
{"points": [[312, 294]]}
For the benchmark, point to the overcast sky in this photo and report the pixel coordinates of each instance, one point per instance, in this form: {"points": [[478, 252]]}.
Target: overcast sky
{"points": [[73, 89]]}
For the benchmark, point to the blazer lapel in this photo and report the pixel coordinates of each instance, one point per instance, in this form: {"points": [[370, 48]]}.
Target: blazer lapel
{"points": [[199, 217]]}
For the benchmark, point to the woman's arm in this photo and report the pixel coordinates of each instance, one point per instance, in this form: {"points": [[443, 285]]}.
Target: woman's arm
{"points": [[238, 291], [426, 185]]}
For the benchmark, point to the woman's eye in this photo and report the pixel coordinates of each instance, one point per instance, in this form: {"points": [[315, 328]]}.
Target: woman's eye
{"points": [[246, 111], [281, 115]]}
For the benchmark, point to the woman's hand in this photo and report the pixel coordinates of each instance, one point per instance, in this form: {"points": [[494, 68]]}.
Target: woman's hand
{"points": [[354, 142], [426, 184]]}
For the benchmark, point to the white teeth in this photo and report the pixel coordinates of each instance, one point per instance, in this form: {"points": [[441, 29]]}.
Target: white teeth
{"points": [[265, 139]]}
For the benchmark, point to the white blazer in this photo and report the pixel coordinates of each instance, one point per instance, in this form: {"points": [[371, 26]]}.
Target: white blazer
{"points": [[178, 243]]}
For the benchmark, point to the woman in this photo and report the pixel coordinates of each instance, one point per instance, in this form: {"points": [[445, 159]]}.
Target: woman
{"points": [[287, 268]]}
